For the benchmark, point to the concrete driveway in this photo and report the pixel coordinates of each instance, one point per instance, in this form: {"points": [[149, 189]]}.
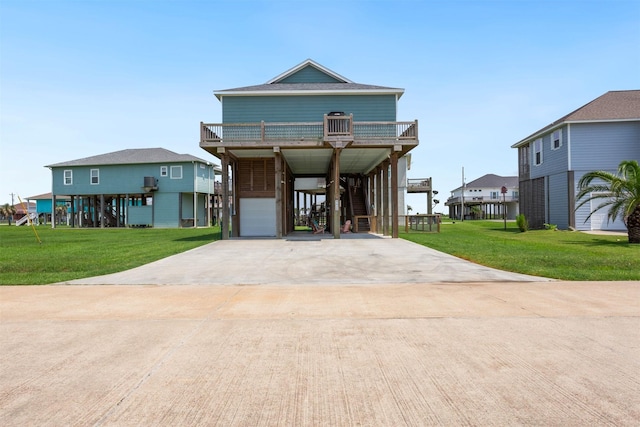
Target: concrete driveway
{"points": [[276, 342]]}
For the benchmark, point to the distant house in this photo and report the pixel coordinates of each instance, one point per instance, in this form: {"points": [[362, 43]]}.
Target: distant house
{"points": [[596, 136], [44, 212], [488, 197], [136, 187], [310, 125]]}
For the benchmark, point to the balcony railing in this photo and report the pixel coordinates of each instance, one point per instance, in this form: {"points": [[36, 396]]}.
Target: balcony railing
{"points": [[420, 185], [330, 129]]}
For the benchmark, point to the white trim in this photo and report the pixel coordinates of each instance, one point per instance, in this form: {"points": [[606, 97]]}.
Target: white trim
{"points": [[397, 92], [64, 177], [166, 170], [568, 146]]}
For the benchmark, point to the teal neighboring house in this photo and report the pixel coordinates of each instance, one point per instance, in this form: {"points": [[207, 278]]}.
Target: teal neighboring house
{"points": [[145, 187]]}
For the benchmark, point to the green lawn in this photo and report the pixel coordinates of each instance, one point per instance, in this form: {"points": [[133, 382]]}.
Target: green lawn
{"points": [[67, 254], [562, 255]]}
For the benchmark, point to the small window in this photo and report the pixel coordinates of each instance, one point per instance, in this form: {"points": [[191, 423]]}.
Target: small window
{"points": [[68, 177], [494, 195], [95, 176], [556, 140], [164, 171], [176, 172], [537, 151]]}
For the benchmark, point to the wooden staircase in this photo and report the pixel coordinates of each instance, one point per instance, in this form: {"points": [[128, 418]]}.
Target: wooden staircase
{"points": [[357, 203]]}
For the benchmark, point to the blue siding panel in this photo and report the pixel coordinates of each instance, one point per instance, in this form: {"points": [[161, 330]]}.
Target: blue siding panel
{"points": [[602, 146], [306, 108]]}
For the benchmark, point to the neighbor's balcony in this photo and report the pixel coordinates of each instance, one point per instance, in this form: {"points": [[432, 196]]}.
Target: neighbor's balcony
{"points": [[332, 130]]}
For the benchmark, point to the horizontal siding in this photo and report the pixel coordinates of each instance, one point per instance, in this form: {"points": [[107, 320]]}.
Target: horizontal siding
{"points": [[166, 210], [602, 146], [558, 197], [553, 161], [309, 75], [128, 179], [306, 108]]}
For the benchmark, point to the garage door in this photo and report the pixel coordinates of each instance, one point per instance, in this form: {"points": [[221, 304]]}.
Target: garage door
{"points": [[257, 217], [599, 219]]}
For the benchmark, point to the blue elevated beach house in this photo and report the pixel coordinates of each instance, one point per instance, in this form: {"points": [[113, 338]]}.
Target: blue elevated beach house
{"points": [[310, 131], [596, 136], [146, 187]]}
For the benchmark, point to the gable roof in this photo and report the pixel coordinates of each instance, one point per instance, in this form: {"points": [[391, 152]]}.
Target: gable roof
{"points": [[343, 86], [132, 156], [305, 64], [613, 106]]}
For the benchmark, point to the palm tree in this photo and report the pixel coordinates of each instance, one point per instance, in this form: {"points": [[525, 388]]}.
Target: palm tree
{"points": [[7, 211], [620, 192]]}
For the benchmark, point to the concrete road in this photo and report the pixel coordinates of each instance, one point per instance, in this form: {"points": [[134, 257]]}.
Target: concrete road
{"points": [[256, 351]]}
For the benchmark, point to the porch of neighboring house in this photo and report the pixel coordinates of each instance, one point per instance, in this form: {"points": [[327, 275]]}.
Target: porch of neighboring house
{"points": [[354, 166], [479, 207]]}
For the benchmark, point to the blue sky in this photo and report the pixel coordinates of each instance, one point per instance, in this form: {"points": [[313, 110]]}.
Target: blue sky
{"points": [[81, 78]]}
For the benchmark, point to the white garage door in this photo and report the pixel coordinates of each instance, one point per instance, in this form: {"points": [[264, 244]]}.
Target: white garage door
{"points": [[599, 219], [257, 217]]}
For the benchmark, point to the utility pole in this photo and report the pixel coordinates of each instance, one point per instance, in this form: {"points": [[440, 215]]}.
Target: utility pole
{"points": [[11, 194]]}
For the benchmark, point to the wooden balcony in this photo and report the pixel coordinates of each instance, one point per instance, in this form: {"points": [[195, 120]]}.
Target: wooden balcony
{"points": [[337, 131], [420, 185]]}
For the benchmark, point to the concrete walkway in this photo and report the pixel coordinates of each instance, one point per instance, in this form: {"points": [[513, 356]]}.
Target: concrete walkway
{"points": [[280, 341]]}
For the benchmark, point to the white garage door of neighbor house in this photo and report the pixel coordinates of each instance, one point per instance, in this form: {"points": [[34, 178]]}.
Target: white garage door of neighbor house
{"points": [[599, 219], [257, 217]]}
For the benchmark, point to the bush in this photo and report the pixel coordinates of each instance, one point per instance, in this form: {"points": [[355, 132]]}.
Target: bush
{"points": [[522, 223], [553, 227]]}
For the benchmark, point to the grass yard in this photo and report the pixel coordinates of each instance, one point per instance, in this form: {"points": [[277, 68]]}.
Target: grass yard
{"points": [[555, 254], [67, 254]]}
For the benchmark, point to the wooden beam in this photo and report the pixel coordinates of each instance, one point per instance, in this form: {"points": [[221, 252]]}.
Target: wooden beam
{"points": [[394, 195], [385, 197], [279, 185], [335, 205], [224, 221]]}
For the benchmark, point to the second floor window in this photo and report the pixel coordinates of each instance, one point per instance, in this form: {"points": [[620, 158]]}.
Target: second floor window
{"points": [[556, 139], [68, 177], [164, 171], [95, 176], [176, 172], [537, 151]]}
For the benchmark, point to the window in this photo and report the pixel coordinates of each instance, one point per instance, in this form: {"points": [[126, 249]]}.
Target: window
{"points": [[494, 195], [164, 171], [556, 139], [176, 172], [537, 151], [95, 176], [68, 177]]}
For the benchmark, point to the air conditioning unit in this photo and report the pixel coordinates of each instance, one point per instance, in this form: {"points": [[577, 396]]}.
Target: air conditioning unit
{"points": [[150, 184]]}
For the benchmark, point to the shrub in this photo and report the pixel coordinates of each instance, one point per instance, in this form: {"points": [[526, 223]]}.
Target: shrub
{"points": [[522, 223], [553, 227]]}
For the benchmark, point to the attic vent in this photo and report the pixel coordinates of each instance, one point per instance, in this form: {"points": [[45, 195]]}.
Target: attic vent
{"points": [[150, 184]]}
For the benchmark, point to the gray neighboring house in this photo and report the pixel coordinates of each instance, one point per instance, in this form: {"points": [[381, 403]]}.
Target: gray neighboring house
{"points": [[483, 198], [151, 187], [551, 161]]}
